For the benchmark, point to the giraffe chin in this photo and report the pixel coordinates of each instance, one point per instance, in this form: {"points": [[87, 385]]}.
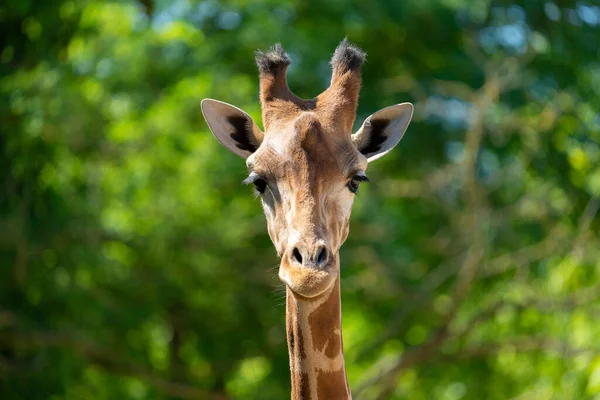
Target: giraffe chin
{"points": [[308, 282]]}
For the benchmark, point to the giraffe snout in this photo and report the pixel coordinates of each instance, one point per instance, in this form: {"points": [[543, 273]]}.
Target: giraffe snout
{"points": [[308, 267], [317, 255]]}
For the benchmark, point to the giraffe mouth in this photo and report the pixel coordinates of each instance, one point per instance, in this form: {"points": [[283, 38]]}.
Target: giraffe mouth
{"points": [[308, 281]]}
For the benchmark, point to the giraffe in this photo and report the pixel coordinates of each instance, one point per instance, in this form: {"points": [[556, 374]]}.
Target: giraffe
{"points": [[306, 167]]}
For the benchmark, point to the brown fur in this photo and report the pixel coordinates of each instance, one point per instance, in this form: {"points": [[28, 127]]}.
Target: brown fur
{"points": [[317, 371], [336, 106], [329, 387], [304, 388], [323, 322], [294, 330]]}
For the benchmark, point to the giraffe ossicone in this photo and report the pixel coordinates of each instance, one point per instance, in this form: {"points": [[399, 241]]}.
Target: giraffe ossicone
{"points": [[307, 166]]}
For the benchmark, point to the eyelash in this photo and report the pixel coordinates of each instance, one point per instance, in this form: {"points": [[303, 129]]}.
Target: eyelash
{"points": [[355, 182], [259, 183]]}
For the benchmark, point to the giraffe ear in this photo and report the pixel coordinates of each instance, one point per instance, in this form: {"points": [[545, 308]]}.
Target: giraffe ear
{"points": [[232, 127], [383, 130]]}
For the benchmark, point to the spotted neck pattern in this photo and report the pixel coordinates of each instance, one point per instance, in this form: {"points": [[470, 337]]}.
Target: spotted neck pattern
{"points": [[314, 334]]}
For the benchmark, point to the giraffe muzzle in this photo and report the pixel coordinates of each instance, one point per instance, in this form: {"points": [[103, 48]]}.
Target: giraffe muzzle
{"points": [[309, 270], [317, 256]]}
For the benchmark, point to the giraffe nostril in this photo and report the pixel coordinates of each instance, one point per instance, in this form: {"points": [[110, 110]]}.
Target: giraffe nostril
{"points": [[322, 256], [297, 256]]}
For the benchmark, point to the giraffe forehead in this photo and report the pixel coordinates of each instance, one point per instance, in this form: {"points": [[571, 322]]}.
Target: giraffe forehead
{"points": [[289, 154]]}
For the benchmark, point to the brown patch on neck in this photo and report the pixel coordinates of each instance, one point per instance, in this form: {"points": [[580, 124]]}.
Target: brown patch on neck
{"points": [[300, 379], [300, 386], [325, 325], [293, 329], [315, 346], [303, 389], [328, 386]]}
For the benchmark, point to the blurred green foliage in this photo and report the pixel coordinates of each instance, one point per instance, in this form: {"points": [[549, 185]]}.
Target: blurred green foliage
{"points": [[135, 266]]}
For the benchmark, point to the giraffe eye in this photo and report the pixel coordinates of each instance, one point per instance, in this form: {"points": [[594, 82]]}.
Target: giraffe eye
{"points": [[259, 183], [354, 183]]}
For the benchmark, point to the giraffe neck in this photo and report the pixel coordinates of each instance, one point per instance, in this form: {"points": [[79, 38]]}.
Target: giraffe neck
{"points": [[314, 334]]}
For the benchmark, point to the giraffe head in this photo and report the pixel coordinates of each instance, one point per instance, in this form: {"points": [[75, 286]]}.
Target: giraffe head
{"points": [[307, 165]]}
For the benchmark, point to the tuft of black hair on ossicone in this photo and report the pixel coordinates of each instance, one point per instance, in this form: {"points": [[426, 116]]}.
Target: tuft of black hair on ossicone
{"points": [[273, 60], [347, 57]]}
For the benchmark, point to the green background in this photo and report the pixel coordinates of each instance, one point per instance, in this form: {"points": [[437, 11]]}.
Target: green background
{"points": [[133, 264]]}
